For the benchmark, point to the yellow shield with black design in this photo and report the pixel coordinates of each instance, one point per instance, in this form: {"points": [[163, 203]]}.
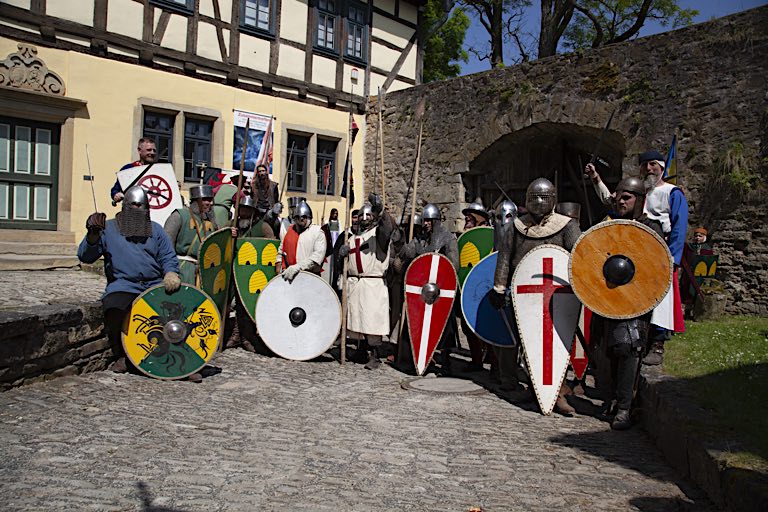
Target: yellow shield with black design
{"points": [[474, 245], [171, 336], [254, 267], [215, 262]]}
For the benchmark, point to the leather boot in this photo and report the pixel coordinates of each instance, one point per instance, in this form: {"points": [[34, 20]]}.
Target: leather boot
{"points": [[656, 355], [622, 420], [373, 359]]}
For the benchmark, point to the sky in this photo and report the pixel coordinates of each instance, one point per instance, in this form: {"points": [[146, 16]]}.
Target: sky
{"points": [[708, 9]]}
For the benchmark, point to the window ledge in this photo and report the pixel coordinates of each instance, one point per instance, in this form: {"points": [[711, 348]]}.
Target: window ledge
{"points": [[325, 51], [257, 32]]}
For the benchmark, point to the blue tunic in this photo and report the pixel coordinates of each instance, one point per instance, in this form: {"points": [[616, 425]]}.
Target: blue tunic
{"points": [[678, 217], [131, 267]]}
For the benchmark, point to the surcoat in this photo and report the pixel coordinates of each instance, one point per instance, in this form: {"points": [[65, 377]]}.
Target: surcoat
{"points": [[367, 293]]}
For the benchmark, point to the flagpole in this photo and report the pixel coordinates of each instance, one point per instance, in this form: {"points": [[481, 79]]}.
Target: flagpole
{"points": [[347, 222]]}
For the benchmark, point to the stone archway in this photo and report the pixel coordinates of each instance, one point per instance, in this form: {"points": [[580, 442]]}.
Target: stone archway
{"points": [[556, 151]]}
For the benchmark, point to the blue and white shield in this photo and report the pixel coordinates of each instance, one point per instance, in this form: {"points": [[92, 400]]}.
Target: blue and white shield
{"points": [[491, 325]]}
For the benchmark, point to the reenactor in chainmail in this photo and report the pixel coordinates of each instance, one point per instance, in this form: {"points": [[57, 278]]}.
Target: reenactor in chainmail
{"points": [[541, 225]]}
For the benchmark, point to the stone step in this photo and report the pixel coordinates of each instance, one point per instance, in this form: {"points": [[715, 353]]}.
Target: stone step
{"points": [[37, 261], [37, 236], [32, 248]]}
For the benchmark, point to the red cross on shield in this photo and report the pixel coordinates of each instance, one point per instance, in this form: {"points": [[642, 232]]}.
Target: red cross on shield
{"points": [[430, 288], [547, 314]]}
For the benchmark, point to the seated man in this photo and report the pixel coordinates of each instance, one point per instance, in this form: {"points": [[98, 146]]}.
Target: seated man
{"points": [[137, 255]]}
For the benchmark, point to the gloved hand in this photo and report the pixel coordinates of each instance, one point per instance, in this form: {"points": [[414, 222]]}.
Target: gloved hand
{"points": [[95, 224], [234, 231], [498, 300], [344, 250], [277, 209], [291, 272], [172, 282], [376, 205]]}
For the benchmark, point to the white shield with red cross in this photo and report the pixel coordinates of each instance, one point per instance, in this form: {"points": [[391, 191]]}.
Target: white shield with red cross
{"points": [[547, 313], [160, 184], [579, 359], [430, 287]]}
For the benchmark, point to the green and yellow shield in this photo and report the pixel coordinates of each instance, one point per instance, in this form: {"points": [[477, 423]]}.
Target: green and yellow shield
{"points": [[253, 268], [215, 263], [474, 245], [172, 336]]}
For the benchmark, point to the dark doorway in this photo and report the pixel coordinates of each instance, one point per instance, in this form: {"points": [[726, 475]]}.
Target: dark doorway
{"points": [[554, 151]]}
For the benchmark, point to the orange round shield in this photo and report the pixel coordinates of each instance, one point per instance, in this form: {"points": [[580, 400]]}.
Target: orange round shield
{"points": [[620, 269]]}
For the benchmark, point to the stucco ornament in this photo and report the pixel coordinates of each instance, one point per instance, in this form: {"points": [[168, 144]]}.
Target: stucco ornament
{"points": [[24, 70]]}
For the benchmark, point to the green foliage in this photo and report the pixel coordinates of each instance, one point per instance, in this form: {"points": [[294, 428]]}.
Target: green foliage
{"points": [[619, 20], [603, 80], [736, 169], [639, 92], [444, 49], [725, 364]]}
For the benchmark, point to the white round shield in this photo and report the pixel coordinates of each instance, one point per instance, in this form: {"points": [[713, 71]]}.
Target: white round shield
{"points": [[298, 320]]}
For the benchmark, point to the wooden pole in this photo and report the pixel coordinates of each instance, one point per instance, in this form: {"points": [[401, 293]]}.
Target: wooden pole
{"points": [[381, 151], [347, 222]]}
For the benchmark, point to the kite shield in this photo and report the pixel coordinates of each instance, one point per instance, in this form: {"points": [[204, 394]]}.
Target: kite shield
{"points": [[215, 263], [253, 268]]}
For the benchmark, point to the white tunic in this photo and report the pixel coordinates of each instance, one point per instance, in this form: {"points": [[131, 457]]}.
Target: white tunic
{"points": [[657, 205], [367, 293]]}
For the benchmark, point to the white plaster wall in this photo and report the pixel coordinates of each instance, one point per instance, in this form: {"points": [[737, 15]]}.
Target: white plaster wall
{"points": [[125, 17], [408, 11], [254, 53], [346, 82], [175, 36], [324, 71], [409, 66], [385, 5], [390, 31], [79, 11], [208, 43], [291, 62], [397, 85], [382, 57], [377, 81], [24, 4], [293, 25]]}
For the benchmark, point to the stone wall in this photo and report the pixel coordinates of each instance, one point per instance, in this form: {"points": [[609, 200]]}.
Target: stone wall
{"points": [[706, 82], [51, 341]]}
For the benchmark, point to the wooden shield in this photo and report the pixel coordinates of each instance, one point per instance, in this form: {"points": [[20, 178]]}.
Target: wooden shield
{"points": [[430, 287], [547, 314], [485, 320], [215, 263], [579, 359], [253, 268], [172, 336], [299, 320], [650, 258], [160, 184], [474, 245]]}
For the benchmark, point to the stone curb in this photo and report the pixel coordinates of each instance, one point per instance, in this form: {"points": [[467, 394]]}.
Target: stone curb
{"points": [[679, 429]]}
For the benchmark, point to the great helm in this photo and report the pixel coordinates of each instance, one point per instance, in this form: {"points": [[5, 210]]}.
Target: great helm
{"points": [[541, 197], [476, 207], [136, 196], [200, 192], [507, 212], [431, 212], [302, 210]]}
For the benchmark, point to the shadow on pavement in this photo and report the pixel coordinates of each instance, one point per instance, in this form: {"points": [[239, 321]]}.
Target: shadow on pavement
{"points": [[145, 496]]}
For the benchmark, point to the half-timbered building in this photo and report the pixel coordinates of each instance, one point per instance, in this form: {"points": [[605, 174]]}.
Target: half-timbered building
{"points": [[82, 80]]}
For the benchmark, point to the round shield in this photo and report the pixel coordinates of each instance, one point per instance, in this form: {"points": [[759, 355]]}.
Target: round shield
{"points": [[490, 324], [474, 245], [298, 320], [620, 269], [172, 336]]}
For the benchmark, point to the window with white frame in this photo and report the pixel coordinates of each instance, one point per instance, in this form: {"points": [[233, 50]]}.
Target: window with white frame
{"points": [[257, 14]]}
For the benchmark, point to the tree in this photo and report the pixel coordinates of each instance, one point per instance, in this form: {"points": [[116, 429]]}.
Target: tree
{"points": [[443, 28], [555, 17], [600, 22], [501, 19]]}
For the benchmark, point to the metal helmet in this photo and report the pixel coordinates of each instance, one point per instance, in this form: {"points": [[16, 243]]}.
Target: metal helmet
{"points": [[417, 220], [476, 207], [507, 212], [293, 203], [200, 192], [302, 210], [247, 201], [572, 210], [541, 197], [136, 196], [366, 213], [431, 212], [636, 187]]}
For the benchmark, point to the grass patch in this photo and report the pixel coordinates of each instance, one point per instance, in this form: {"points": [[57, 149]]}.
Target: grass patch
{"points": [[725, 364]]}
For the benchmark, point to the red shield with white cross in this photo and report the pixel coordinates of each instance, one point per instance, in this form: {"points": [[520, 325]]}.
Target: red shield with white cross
{"points": [[547, 314], [579, 360], [430, 287]]}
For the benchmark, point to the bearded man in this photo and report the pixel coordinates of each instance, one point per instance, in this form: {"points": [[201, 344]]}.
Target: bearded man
{"points": [[250, 221], [187, 227], [541, 225], [137, 255], [303, 246], [367, 293]]}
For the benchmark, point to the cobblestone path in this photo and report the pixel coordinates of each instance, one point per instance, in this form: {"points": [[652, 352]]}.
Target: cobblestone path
{"points": [[271, 434], [19, 289]]}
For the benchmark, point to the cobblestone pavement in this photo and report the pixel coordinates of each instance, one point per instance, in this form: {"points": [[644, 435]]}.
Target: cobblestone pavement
{"points": [[271, 434], [33, 288]]}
